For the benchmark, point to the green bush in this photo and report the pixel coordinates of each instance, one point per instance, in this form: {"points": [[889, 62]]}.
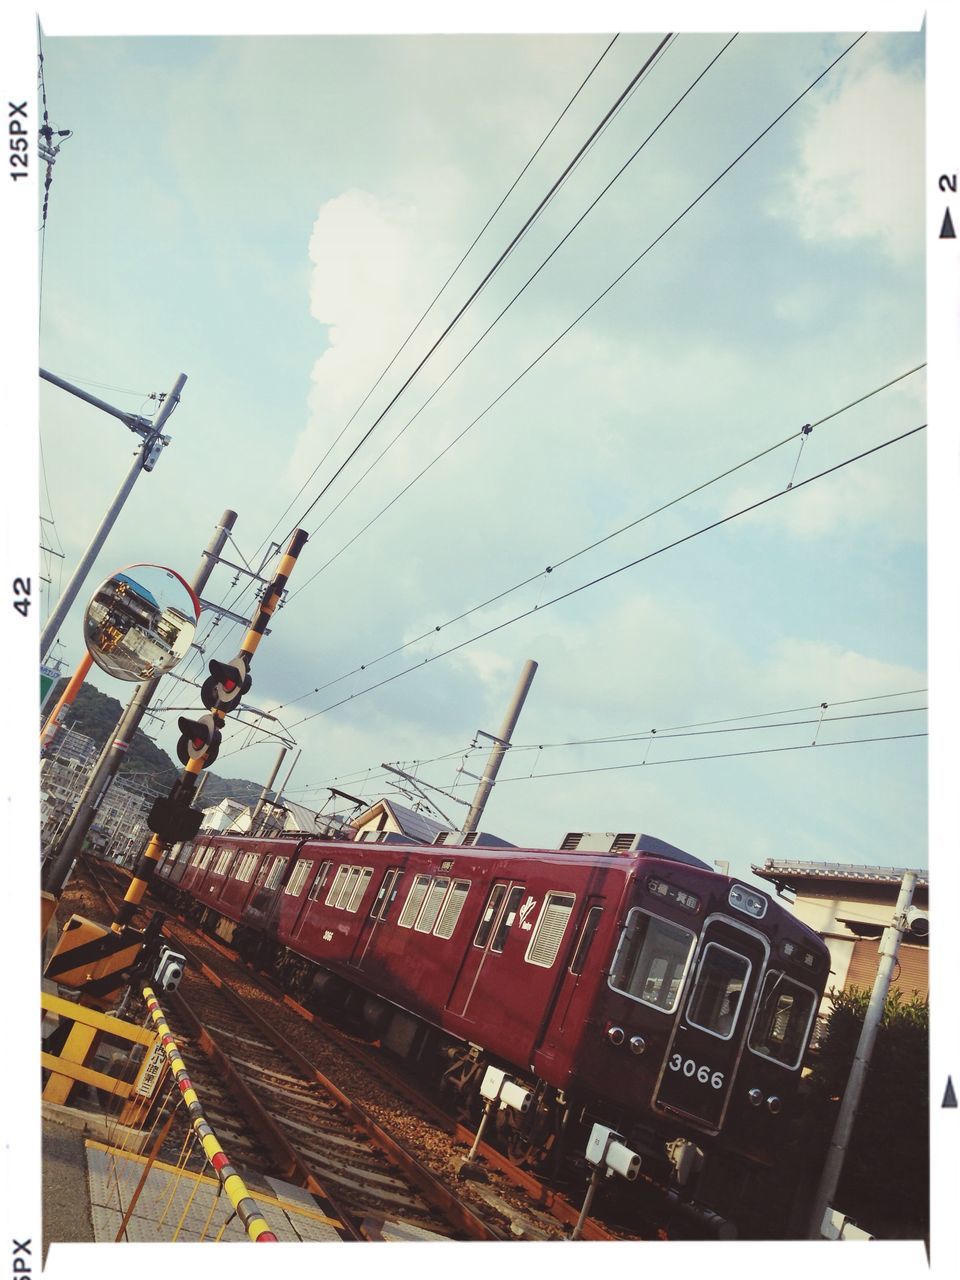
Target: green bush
{"points": [[885, 1181]]}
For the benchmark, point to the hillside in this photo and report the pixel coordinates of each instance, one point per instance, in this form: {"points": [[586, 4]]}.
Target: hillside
{"points": [[96, 715]]}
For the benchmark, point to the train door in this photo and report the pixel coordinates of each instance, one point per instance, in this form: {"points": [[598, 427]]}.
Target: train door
{"points": [[384, 896], [498, 915], [574, 996], [702, 1059]]}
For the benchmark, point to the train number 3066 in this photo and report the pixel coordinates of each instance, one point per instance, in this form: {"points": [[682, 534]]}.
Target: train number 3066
{"points": [[690, 1069]]}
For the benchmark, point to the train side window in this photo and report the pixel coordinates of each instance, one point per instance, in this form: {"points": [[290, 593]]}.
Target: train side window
{"points": [[298, 879], [342, 873], [590, 926], [359, 888], [319, 880], [550, 928], [782, 1023], [507, 918], [348, 886], [276, 874], [651, 960], [489, 915], [452, 909], [381, 896], [719, 991], [431, 905], [221, 864], [414, 901], [392, 896]]}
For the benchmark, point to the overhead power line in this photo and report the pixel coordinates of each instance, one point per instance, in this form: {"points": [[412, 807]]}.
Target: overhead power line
{"points": [[559, 338], [566, 595], [441, 290], [632, 524], [487, 277]]}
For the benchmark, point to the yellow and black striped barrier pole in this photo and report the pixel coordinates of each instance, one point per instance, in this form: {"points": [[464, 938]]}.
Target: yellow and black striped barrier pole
{"points": [[247, 1209], [155, 849]]}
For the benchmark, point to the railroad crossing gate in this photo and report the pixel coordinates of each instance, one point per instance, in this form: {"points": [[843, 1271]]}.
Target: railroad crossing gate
{"points": [[83, 1031], [94, 960]]}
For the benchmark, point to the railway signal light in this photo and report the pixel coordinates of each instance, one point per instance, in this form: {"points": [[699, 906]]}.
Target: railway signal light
{"points": [[226, 684], [198, 737]]}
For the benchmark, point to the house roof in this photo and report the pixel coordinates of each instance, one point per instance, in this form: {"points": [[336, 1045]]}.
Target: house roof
{"points": [[417, 826], [790, 872]]}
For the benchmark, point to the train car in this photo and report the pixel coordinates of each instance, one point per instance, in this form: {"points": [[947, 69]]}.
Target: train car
{"points": [[640, 989]]}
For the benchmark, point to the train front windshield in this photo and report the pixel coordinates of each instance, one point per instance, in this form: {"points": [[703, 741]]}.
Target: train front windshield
{"points": [[651, 960]]}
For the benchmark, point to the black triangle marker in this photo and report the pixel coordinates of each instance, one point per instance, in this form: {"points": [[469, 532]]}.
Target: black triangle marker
{"points": [[949, 1097], [947, 233]]}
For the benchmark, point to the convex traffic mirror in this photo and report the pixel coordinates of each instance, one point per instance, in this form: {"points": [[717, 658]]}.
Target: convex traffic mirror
{"points": [[140, 622]]}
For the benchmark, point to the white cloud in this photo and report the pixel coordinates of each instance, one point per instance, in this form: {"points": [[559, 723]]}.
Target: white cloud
{"points": [[857, 180]]}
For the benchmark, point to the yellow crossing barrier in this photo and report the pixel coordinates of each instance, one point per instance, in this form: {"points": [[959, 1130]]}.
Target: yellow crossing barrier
{"points": [[246, 1207]]}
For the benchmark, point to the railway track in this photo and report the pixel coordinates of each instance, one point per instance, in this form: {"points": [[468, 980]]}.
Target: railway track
{"points": [[268, 1048]]}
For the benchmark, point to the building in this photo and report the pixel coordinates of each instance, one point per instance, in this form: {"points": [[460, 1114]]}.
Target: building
{"points": [[850, 906], [64, 770], [386, 820]]}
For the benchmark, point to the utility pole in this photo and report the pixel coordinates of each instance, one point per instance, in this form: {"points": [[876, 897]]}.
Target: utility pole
{"points": [[263, 794], [114, 752], [501, 744], [889, 946], [74, 684], [145, 459]]}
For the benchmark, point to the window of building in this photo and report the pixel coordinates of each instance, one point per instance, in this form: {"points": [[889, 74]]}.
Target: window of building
{"points": [[782, 1022], [550, 928], [431, 904], [590, 926], [651, 960], [414, 901], [507, 918], [452, 909], [719, 991]]}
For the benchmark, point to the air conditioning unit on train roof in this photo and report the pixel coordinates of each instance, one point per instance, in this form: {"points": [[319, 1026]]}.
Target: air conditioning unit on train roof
{"points": [[482, 839], [626, 842]]}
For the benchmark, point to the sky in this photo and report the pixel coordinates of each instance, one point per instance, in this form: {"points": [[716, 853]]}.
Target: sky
{"points": [[272, 216]]}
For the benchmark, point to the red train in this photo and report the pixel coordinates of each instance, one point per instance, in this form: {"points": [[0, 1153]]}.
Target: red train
{"points": [[637, 988]]}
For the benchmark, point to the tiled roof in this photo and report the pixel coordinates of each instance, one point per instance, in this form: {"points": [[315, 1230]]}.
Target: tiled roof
{"points": [[789, 869]]}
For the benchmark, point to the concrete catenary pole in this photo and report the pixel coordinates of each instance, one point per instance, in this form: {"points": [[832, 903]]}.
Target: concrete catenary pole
{"points": [[500, 747], [265, 792], [833, 1166], [114, 753], [142, 457]]}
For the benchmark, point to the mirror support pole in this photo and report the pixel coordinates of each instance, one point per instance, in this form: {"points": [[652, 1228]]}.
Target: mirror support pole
{"points": [[115, 750], [53, 623]]}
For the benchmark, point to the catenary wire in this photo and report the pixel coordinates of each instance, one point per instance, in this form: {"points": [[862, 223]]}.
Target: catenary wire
{"points": [[566, 595], [443, 287], [484, 281], [431, 631], [596, 300], [589, 209]]}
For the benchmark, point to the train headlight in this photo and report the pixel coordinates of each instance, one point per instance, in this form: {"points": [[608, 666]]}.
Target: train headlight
{"points": [[749, 901], [756, 1097], [774, 1105], [615, 1035], [637, 1044]]}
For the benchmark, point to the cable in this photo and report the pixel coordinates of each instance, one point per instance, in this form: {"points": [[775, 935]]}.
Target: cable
{"points": [[623, 168], [621, 569], [663, 734], [599, 297], [486, 279], [442, 288], [606, 538], [723, 755]]}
